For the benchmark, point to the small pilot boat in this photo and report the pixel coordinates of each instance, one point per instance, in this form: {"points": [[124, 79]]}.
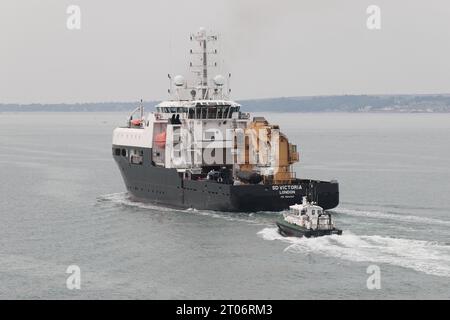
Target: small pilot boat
{"points": [[306, 220]]}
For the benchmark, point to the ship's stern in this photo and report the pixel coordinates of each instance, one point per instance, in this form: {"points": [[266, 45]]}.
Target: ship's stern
{"points": [[278, 197]]}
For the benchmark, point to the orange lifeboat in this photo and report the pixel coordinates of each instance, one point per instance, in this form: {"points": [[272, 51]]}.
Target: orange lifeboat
{"points": [[136, 122], [160, 139]]}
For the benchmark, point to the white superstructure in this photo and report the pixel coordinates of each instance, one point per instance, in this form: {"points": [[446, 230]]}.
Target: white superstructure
{"points": [[201, 129]]}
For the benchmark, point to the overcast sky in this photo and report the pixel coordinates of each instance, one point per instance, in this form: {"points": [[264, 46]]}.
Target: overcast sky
{"points": [[125, 49]]}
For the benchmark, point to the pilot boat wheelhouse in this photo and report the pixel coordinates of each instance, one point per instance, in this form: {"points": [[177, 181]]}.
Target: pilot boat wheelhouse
{"points": [[199, 150], [307, 220]]}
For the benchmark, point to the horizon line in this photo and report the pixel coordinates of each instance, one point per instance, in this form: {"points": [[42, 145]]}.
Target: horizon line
{"points": [[244, 99]]}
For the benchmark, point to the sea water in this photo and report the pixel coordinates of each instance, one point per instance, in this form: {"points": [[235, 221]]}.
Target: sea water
{"points": [[63, 203]]}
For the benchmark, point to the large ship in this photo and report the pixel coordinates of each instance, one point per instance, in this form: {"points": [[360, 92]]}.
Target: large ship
{"points": [[199, 150]]}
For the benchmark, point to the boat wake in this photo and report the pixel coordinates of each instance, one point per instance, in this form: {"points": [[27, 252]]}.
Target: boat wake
{"points": [[123, 199], [391, 216], [423, 256]]}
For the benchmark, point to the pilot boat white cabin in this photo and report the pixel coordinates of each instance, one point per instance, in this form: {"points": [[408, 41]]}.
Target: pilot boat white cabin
{"points": [[309, 216]]}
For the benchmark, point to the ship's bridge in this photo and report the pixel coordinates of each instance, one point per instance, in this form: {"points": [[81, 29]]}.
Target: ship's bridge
{"points": [[201, 109]]}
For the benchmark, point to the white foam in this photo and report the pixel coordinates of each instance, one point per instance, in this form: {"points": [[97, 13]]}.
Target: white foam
{"points": [[123, 198], [391, 216], [423, 256], [229, 216]]}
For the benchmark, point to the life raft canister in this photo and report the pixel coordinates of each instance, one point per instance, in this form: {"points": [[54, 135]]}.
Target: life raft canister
{"points": [[160, 139]]}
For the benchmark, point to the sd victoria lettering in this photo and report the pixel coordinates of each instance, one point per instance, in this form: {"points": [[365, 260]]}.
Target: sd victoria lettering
{"points": [[287, 187]]}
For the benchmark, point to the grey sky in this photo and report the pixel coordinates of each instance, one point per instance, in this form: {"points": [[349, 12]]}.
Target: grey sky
{"points": [[125, 49]]}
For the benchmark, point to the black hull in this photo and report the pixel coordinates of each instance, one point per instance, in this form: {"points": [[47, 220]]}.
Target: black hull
{"points": [[289, 230], [149, 183]]}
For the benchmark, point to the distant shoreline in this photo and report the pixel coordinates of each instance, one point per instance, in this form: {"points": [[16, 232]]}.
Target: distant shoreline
{"points": [[433, 103]]}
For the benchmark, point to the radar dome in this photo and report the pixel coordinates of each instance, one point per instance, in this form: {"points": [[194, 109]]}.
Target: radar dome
{"points": [[179, 81], [219, 80]]}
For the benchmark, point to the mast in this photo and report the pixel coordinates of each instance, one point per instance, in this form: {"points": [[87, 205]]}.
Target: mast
{"points": [[205, 71], [202, 37]]}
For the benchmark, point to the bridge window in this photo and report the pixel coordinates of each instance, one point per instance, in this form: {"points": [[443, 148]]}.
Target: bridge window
{"points": [[212, 112], [191, 113], [203, 111], [220, 112], [226, 110]]}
